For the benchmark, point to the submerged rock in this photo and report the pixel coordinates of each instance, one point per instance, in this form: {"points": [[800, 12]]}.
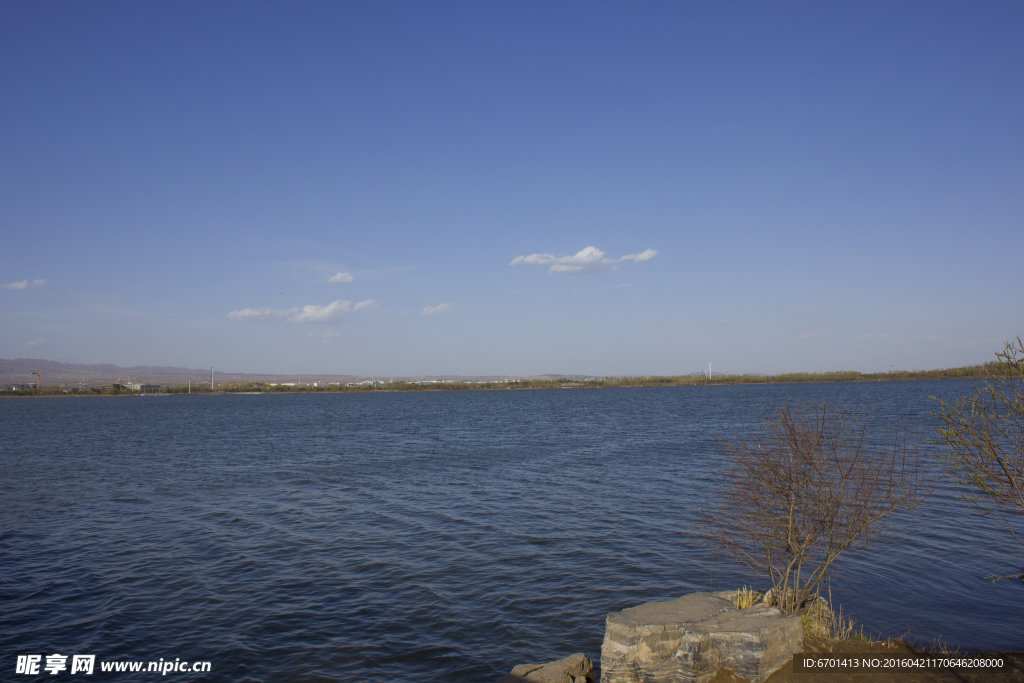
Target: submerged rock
{"points": [[689, 639], [575, 668]]}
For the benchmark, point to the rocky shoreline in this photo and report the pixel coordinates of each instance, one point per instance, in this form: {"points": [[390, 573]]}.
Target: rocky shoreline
{"points": [[710, 638]]}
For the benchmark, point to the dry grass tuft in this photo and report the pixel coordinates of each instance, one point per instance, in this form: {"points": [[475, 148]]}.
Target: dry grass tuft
{"points": [[819, 619], [746, 597], [942, 649]]}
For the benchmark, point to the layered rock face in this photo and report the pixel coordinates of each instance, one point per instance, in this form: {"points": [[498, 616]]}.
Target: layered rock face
{"points": [[689, 639]]}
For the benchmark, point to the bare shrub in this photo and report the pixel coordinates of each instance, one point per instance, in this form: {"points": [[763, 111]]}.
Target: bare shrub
{"points": [[984, 439], [802, 489]]}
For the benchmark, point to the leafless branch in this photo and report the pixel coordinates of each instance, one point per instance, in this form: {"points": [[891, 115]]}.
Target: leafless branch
{"points": [[804, 488], [984, 439]]}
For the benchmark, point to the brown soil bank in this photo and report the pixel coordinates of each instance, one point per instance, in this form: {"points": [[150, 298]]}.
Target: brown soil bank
{"points": [[812, 645]]}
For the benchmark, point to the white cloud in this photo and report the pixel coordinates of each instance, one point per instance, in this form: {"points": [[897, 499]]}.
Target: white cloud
{"points": [[24, 284], [641, 257], [404, 312], [440, 308], [341, 277], [260, 314], [625, 284], [35, 343], [306, 314], [585, 261], [322, 314], [589, 260]]}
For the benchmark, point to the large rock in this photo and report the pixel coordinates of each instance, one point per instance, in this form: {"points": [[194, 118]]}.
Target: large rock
{"points": [[691, 638], [575, 668]]}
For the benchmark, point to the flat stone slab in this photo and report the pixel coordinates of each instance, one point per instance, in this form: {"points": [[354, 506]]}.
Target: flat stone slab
{"points": [[575, 668], [689, 639]]}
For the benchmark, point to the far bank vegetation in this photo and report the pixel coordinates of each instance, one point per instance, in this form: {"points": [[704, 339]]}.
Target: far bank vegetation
{"points": [[201, 386]]}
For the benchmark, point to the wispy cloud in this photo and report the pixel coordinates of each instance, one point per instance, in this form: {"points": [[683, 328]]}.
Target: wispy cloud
{"points": [[585, 261], [261, 313], [625, 284], [306, 314], [38, 342], [341, 277], [719, 322], [323, 335], [645, 255], [440, 308], [322, 314], [24, 284], [404, 312]]}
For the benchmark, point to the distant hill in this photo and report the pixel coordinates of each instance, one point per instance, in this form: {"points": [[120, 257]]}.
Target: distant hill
{"points": [[19, 371], [29, 365]]}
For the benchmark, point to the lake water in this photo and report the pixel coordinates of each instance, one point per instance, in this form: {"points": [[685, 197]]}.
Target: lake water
{"points": [[421, 536]]}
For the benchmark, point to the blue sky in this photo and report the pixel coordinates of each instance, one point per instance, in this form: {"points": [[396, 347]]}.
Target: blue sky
{"points": [[767, 187]]}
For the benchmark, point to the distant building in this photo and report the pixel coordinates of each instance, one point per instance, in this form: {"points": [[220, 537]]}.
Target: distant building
{"points": [[134, 385]]}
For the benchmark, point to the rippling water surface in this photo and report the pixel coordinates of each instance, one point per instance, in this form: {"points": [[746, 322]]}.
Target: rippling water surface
{"points": [[419, 536]]}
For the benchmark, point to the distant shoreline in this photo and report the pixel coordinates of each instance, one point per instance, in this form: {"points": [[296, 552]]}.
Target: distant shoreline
{"points": [[379, 386]]}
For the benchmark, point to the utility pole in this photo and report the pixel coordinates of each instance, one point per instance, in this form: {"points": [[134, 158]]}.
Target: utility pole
{"points": [[189, 386], [211, 378]]}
